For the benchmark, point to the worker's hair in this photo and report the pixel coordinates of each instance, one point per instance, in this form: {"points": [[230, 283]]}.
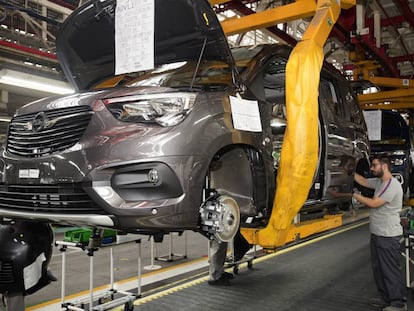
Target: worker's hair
{"points": [[385, 160]]}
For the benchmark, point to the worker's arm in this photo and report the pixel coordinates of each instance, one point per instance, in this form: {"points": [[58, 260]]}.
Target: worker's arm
{"points": [[371, 203], [362, 181]]}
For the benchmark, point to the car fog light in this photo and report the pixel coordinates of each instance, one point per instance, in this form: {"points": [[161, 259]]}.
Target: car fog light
{"points": [[154, 211], [153, 176]]}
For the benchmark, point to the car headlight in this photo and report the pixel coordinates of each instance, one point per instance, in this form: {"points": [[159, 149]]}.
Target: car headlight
{"points": [[165, 109], [398, 162]]}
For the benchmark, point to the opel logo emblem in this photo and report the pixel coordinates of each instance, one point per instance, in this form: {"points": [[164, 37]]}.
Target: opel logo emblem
{"points": [[39, 122]]}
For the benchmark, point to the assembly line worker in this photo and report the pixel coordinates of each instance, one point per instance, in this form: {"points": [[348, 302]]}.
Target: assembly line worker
{"points": [[217, 258], [386, 231]]}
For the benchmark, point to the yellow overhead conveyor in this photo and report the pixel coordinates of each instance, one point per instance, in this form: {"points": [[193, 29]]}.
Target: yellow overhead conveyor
{"points": [[300, 145], [400, 98]]}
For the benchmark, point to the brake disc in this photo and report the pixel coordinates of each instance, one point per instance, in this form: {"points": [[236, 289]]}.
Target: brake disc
{"points": [[220, 217]]}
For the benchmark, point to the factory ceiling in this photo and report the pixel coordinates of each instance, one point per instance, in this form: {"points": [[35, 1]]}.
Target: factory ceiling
{"points": [[372, 39]]}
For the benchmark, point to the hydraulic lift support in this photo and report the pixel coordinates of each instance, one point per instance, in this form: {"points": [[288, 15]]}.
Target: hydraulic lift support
{"points": [[300, 145]]}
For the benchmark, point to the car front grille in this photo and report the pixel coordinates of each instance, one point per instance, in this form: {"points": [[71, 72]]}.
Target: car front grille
{"points": [[43, 133], [68, 199], [6, 272]]}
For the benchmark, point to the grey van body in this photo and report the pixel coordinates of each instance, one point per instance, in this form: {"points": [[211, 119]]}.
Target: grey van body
{"points": [[395, 143], [144, 154]]}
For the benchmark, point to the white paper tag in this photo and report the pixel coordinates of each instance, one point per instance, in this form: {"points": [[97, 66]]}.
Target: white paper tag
{"points": [[134, 35], [29, 173], [245, 113], [373, 119]]}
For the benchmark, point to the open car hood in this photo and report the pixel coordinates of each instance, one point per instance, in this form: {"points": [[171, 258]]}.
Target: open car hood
{"points": [[185, 30]]}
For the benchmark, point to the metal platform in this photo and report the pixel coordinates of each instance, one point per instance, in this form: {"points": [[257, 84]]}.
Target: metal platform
{"points": [[329, 273]]}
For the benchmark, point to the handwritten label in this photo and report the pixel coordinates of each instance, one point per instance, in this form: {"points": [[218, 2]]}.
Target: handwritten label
{"points": [[134, 35]]}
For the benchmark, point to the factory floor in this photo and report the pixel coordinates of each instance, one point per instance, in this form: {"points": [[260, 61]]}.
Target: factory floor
{"points": [[331, 271]]}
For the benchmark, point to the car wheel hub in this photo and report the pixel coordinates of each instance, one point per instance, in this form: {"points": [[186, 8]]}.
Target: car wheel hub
{"points": [[220, 218]]}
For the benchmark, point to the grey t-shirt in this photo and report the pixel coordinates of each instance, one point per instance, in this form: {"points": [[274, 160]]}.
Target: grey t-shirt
{"points": [[385, 220]]}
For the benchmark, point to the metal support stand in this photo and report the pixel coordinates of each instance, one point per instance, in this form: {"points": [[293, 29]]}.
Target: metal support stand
{"points": [[171, 256], [409, 245], [152, 266], [105, 300]]}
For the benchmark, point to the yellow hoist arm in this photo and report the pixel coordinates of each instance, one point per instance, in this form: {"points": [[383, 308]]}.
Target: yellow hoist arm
{"points": [[300, 145]]}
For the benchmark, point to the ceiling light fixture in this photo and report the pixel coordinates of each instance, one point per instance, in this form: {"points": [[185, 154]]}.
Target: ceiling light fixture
{"points": [[30, 81]]}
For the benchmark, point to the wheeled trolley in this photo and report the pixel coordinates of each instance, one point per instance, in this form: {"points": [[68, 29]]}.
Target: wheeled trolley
{"points": [[231, 262], [107, 299]]}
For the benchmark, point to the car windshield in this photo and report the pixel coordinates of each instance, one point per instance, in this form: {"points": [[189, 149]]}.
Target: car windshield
{"points": [[244, 55], [206, 76], [394, 134]]}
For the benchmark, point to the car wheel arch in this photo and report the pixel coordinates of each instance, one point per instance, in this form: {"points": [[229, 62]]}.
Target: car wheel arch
{"points": [[239, 171]]}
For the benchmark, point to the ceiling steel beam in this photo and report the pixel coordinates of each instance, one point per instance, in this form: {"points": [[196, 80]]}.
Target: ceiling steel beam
{"points": [[385, 96], [344, 25], [304, 9], [64, 4], [345, 4], [389, 21], [403, 100], [29, 11], [376, 5], [392, 82], [27, 50], [293, 11], [392, 106], [404, 58], [368, 45], [243, 10], [340, 33], [365, 43]]}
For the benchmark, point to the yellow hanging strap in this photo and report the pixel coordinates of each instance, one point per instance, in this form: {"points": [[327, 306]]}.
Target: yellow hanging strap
{"points": [[299, 154]]}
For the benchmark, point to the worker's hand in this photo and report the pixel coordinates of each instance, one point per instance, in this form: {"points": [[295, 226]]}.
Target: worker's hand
{"points": [[355, 196]]}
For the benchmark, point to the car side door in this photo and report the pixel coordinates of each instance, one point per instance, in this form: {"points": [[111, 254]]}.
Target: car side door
{"points": [[339, 158]]}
